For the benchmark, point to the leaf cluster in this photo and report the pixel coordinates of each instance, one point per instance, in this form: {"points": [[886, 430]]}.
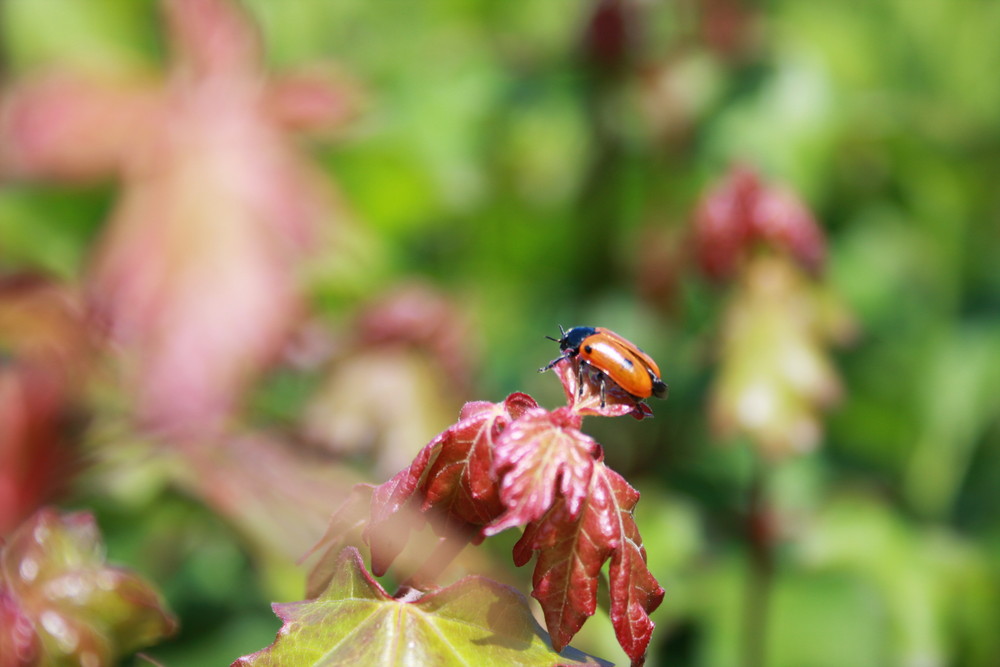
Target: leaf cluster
{"points": [[516, 464]]}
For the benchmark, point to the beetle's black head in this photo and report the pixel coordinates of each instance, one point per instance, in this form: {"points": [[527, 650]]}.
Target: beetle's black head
{"points": [[572, 339]]}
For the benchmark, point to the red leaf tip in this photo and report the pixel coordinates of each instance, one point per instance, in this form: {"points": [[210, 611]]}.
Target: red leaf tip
{"points": [[741, 212]]}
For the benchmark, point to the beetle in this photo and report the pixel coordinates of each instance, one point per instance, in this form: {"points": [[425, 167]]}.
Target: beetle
{"points": [[614, 357]]}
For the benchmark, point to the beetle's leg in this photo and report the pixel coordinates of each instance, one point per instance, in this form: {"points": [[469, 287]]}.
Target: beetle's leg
{"points": [[551, 364], [603, 378], [579, 380]]}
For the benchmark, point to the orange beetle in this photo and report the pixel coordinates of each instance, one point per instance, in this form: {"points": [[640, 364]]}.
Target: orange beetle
{"points": [[614, 357]]}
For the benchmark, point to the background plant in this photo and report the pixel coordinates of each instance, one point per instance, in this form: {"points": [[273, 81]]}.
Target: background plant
{"points": [[477, 175]]}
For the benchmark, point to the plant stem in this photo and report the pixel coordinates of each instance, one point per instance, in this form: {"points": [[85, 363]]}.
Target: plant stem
{"points": [[760, 574]]}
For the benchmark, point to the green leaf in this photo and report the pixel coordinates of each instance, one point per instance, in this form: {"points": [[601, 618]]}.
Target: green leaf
{"points": [[62, 604], [474, 622]]}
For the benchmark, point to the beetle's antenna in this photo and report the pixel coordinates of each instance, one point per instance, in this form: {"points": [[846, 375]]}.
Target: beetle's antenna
{"points": [[562, 332]]}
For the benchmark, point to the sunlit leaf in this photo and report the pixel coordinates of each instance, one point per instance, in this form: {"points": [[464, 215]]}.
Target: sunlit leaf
{"points": [[60, 601], [473, 622], [450, 478], [540, 456], [572, 547]]}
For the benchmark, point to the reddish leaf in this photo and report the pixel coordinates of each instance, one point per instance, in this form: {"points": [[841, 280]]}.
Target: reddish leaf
{"points": [[721, 222], [635, 593], [743, 211], [313, 99], [540, 457], [572, 548], [218, 207], [393, 513], [44, 356], [45, 117], [781, 219], [450, 480]]}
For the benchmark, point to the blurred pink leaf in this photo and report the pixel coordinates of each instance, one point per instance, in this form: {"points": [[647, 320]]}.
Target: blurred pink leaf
{"points": [[412, 343], [741, 212], [257, 482], [721, 222], [196, 274], [73, 128]]}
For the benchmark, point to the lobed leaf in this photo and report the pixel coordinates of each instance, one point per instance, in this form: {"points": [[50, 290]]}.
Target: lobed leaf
{"points": [[635, 593], [515, 464], [540, 456], [450, 480], [571, 548], [475, 622], [217, 207]]}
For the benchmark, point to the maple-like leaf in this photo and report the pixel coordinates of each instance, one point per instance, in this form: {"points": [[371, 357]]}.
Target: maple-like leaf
{"points": [[60, 603], [355, 621], [635, 593], [539, 457], [516, 464], [572, 545], [450, 480], [217, 209]]}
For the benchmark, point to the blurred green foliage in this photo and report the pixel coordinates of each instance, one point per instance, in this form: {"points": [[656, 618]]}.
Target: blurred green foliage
{"points": [[493, 160]]}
